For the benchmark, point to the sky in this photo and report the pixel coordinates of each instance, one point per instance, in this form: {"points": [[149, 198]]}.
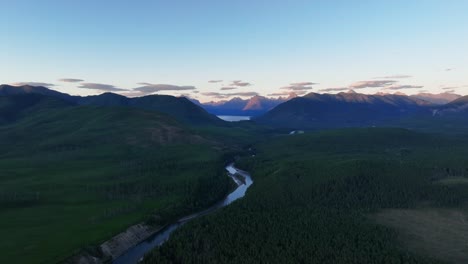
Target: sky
{"points": [[217, 49]]}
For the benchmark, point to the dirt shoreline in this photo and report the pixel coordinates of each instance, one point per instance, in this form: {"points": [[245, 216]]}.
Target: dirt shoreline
{"points": [[115, 246]]}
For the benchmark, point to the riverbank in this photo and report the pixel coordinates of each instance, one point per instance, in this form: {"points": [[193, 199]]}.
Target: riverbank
{"points": [[132, 244], [138, 252], [117, 245]]}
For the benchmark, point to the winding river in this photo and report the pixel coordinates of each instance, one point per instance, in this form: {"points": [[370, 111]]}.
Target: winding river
{"points": [[243, 181]]}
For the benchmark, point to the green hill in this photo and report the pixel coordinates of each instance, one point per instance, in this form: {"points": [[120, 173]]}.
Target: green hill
{"points": [[178, 107], [72, 176]]}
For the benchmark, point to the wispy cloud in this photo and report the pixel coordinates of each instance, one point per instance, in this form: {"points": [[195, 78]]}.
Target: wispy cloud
{"points": [[452, 87], [149, 88], [337, 89], [371, 84], [279, 94], [244, 94], [71, 80], [185, 95], [396, 76], [400, 87], [227, 88], [303, 84], [299, 86], [215, 95], [240, 83], [100, 87], [301, 92], [227, 95], [33, 84], [215, 81]]}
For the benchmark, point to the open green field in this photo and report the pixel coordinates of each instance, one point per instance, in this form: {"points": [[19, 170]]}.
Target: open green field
{"points": [[316, 196], [441, 233], [72, 177]]}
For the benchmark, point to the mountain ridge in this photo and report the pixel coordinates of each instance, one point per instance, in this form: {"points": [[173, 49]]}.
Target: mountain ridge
{"points": [[179, 107], [343, 110]]}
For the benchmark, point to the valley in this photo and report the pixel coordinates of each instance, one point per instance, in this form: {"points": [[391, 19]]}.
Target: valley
{"points": [[345, 195], [233, 132]]}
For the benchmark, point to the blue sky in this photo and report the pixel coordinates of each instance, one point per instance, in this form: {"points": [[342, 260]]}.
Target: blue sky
{"points": [[268, 47]]}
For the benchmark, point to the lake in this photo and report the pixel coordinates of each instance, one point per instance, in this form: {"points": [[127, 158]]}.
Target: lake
{"points": [[230, 118]]}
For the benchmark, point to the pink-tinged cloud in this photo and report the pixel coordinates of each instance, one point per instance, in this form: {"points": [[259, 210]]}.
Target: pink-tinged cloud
{"points": [[337, 89], [401, 87], [228, 88], [240, 83], [372, 84], [71, 80], [299, 86], [149, 88], [303, 84], [33, 84], [396, 76], [100, 87], [227, 95]]}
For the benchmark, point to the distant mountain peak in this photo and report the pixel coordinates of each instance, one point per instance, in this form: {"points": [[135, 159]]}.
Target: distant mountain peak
{"points": [[345, 109], [441, 98]]}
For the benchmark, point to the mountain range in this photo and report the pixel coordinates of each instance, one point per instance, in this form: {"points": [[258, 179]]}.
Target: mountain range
{"points": [[441, 98], [178, 107], [254, 106], [352, 109], [345, 109]]}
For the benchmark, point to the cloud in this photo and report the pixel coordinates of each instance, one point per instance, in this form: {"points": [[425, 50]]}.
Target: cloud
{"points": [[279, 94], [303, 84], [213, 94], [240, 83], [149, 88], [100, 87], [215, 81], [32, 84], [396, 76], [301, 92], [244, 94], [400, 87], [131, 94], [337, 89], [452, 87], [227, 95], [371, 84], [71, 80], [299, 86], [228, 88]]}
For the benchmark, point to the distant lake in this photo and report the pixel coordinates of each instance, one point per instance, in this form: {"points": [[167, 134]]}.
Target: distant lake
{"points": [[230, 118]]}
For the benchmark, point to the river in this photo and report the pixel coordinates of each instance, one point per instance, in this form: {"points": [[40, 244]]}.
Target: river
{"points": [[136, 253]]}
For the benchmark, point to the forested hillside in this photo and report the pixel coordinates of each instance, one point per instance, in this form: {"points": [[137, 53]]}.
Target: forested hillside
{"points": [[179, 108], [73, 176], [342, 196]]}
